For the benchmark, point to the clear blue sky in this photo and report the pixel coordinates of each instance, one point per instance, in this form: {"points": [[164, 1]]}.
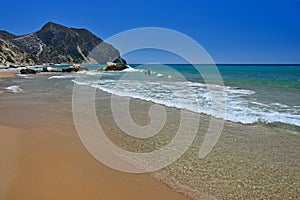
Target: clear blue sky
{"points": [[232, 31]]}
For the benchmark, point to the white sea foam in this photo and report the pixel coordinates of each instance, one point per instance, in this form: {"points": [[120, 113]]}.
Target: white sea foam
{"points": [[62, 77], [14, 89], [241, 106], [260, 104], [130, 69], [92, 72]]}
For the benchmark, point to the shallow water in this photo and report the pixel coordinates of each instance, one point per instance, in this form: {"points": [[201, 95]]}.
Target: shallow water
{"points": [[248, 162], [252, 94]]}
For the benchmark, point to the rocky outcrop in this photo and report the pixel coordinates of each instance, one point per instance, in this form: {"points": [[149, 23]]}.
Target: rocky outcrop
{"points": [[28, 71], [11, 55], [75, 68], [120, 60], [111, 66]]}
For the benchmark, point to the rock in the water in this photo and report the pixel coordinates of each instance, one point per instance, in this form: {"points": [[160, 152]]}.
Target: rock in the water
{"points": [[27, 71], [120, 60], [111, 66], [75, 68]]}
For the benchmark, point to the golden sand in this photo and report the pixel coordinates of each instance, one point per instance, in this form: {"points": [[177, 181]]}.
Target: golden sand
{"points": [[43, 160]]}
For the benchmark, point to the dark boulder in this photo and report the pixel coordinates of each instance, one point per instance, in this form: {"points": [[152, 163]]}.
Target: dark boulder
{"points": [[69, 69], [75, 68], [27, 71], [116, 67], [111, 66]]}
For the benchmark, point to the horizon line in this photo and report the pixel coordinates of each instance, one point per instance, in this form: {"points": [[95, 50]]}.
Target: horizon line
{"points": [[214, 64]]}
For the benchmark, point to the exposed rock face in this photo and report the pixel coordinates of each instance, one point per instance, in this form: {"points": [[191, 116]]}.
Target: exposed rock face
{"points": [[103, 53], [11, 55], [55, 43]]}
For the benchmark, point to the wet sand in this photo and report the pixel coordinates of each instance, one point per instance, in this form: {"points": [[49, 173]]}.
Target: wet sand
{"points": [[6, 74], [41, 157], [257, 161]]}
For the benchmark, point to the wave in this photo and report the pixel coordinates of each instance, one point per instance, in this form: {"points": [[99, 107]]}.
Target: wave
{"points": [[14, 89], [62, 77], [241, 107], [167, 89], [131, 69]]}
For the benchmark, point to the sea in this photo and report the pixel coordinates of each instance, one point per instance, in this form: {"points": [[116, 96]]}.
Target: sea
{"points": [[253, 93]]}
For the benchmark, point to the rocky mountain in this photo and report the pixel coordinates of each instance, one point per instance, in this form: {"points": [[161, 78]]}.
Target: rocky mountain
{"points": [[55, 43], [6, 35], [11, 55]]}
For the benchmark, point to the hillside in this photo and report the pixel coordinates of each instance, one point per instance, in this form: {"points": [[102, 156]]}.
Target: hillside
{"points": [[11, 55], [55, 43]]}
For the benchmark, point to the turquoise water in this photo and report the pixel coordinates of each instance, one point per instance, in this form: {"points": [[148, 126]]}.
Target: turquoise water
{"points": [[254, 93], [272, 82], [281, 76]]}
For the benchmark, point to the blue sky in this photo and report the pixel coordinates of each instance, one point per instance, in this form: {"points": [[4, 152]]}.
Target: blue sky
{"points": [[232, 31]]}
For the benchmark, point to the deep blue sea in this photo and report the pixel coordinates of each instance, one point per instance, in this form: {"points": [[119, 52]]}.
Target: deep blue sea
{"points": [[254, 93]]}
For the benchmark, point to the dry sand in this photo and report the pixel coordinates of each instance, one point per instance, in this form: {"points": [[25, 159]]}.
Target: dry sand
{"points": [[43, 160]]}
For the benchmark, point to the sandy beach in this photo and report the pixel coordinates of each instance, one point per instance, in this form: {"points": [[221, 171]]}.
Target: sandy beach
{"points": [[42, 158], [159, 100]]}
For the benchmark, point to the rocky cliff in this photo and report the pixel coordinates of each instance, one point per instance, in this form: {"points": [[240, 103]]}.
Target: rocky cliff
{"points": [[55, 43], [11, 55]]}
